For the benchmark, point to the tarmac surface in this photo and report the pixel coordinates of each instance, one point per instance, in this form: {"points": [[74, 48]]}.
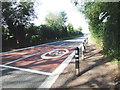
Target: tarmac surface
{"points": [[25, 68]]}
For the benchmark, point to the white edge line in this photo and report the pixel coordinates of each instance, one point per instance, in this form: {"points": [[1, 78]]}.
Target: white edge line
{"points": [[52, 78], [28, 70], [28, 57], [22, 58], [28, 47], [32, 46]]}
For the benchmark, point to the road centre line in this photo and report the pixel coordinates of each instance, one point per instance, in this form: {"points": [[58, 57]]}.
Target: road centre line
{"points": [[33, 46], [21, 58], [52, 78], [24, 57], [28, 47], [28, 70]]}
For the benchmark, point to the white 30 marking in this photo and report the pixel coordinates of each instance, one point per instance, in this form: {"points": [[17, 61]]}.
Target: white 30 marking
{"points": [[54, 54]]}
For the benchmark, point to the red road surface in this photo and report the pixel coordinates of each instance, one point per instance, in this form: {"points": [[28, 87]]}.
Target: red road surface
{"points": [[36, 62], [11, 56]]}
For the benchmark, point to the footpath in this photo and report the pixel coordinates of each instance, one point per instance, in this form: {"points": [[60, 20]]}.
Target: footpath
{"points": [[95, 72]]}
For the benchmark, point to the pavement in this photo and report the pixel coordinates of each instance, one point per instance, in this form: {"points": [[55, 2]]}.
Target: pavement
{"points": [[25, 68]]}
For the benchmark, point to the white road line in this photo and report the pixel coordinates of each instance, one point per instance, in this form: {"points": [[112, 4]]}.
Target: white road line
{"points": [[34, 46], [21, 58], [57, 56], [61, 44], [28, 47], [52, 78], [27, 70]]}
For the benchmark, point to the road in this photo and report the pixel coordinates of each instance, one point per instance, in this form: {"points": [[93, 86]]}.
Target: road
{"points": [[24, 68]]}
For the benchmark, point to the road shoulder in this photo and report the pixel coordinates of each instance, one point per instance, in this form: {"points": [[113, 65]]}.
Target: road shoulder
{"points": [[95, 72]]}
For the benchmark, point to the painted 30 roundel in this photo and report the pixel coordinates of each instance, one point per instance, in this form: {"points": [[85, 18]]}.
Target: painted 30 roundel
{"points": [[54, 54]]}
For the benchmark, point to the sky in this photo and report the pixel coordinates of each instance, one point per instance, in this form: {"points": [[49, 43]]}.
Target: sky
{"points": [[44, 7]]}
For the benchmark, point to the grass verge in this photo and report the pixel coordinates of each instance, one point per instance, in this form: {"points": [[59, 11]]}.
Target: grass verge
{"points": [[97, 42]]}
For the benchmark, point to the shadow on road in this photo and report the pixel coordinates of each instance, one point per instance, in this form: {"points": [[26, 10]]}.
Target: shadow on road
{"points": [[73, 80]]}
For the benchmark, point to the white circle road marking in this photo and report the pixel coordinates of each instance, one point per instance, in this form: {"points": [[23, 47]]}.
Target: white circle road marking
{"points": [[54, 54]]}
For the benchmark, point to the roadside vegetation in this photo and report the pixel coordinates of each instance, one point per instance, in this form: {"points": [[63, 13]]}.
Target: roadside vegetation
{"points": [[18, 31], [104, 26]]}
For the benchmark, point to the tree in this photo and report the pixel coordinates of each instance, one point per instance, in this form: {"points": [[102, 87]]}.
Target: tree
{"points": [[80, 29], [63, 17], [57, 23], [104, 25], [16, 16], [70, 28]]}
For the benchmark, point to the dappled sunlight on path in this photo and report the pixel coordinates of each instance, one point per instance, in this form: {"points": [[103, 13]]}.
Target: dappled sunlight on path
{"points": [[95, 72]]}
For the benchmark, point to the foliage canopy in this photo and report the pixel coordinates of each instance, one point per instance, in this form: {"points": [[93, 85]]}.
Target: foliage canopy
{"points": [[104, 25], [18, 31]]}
